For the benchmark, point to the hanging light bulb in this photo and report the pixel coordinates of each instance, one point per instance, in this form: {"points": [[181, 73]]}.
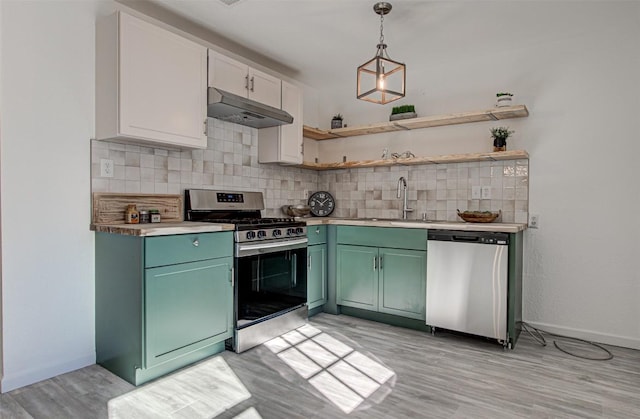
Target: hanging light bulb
{"points": [[378, 83]]}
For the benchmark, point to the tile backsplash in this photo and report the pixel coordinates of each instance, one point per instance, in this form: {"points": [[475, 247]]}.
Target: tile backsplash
{"points": [[230, 162], [436, 190]]}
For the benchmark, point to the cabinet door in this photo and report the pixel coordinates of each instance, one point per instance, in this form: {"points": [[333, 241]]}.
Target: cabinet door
{"points": [[402, 282], [228, 74], [291, 135], [283, 144], [357, 276], [187, 307], [162, 85], [264, 88], [316, 275]]}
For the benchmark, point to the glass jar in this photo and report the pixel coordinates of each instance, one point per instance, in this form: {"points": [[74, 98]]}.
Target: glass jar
{"points": [[131, 214], [144, 216], [155, 215]]}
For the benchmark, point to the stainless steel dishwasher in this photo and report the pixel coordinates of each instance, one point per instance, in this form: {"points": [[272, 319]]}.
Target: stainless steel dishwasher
{"points": [[467, 282]]}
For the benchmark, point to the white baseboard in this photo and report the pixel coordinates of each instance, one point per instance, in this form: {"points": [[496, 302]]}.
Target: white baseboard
{"points": [[615, 340], [24, 378]]}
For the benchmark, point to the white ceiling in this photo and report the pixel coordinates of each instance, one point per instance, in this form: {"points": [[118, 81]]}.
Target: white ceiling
{"points": [[323, 41]]}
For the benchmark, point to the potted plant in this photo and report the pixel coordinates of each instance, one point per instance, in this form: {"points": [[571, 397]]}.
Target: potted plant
{"points": [[402, 112], [500, 135], [336, 121], [504, 99]]}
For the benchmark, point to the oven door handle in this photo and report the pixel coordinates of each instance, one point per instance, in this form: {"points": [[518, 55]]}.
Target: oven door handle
{"points": [[258, 248]]}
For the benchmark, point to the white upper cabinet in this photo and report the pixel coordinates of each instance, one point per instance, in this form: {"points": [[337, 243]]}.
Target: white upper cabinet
{"points": [[151, 85], [283, 144], [235, 77]]}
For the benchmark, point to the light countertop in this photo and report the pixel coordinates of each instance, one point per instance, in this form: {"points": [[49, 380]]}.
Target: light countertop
{"points": [[161, 229], [187, 227], [430, 225]]}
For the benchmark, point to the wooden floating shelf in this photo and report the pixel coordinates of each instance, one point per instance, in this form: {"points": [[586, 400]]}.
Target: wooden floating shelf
{"points": [[447, 158], [494, 114]]}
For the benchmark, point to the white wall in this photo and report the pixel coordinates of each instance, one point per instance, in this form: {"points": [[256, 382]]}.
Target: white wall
{"points": [[47, 249], [575, 65]]}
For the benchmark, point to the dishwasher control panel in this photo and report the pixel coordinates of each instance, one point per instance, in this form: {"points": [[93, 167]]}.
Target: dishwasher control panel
{"points": [[478, 237]]}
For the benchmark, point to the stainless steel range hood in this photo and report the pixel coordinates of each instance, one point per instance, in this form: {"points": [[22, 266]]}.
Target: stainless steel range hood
{"points": [[240, 110]]}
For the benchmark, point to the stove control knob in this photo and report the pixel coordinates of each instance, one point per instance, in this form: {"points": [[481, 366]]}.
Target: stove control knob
{"points": [[277, 232], [299, 230], [262, 234], [291, 232], [251, 235]]}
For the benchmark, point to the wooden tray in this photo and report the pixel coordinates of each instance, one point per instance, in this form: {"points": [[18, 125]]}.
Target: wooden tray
{"points": [[108, 208], [479, 216]]}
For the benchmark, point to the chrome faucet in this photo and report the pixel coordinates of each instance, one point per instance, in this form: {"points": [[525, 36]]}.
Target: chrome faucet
{"points": [[402, 188]]}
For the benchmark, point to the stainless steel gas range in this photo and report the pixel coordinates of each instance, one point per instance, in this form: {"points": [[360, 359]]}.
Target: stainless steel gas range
{"points": [[270, 254]]}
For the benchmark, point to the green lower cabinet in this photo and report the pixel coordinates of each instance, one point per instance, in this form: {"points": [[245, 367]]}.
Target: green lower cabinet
{"points": [[385, 280], [187, 306], [161, 302], [372, 276], [357, 276], [316, 275], [402, 276]]}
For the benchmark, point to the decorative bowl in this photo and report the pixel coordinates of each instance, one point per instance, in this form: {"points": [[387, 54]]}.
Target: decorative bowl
{"points": [[299, 210], [479, 216]]}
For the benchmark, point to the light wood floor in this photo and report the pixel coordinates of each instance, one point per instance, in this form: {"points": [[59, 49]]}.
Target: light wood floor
{"points": [[442, 376]]}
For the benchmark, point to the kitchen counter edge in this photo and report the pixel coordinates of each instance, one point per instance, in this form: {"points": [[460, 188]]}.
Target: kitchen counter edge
{"points": [[161, 229], [439, 225]]}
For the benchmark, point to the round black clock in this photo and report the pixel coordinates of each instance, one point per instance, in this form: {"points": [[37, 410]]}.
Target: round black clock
{"points": [[321, 203]]}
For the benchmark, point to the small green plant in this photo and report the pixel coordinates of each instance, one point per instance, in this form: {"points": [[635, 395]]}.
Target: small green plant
{"points": [[501, 133], [403, 109], [337, 116], [504, 94]]}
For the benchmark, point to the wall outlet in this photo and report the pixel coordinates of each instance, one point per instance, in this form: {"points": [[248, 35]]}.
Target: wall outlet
{"points": [[486, 192], [476, 192], [534, 221], [106, 168]]}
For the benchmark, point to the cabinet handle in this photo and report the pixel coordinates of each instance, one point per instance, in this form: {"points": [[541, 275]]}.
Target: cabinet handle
{"points": [[252, 84], [246, 82], [233, 279], [375, 265], [196, 243], [205, 127], [380, 263], [317, 230], [309, 262]]}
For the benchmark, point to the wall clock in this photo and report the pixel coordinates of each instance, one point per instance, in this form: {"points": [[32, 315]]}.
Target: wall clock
{"points": [[321, 203]]}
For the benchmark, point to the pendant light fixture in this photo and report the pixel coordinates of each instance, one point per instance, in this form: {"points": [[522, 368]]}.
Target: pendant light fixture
{"points": [[381, 80]]}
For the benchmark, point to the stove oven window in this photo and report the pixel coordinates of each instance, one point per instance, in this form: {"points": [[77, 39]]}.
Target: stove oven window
{"points": [[270, 284]]}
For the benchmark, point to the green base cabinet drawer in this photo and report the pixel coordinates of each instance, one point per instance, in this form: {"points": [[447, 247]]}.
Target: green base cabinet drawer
{"points": [[397, 238], [316, 234], [182, 248]]}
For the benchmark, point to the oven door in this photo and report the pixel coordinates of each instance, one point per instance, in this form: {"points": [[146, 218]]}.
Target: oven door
{"points": [[271, 279]]}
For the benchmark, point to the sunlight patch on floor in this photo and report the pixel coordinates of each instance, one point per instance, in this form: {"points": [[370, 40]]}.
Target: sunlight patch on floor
{"points": [[344, 376], [202, 391]]}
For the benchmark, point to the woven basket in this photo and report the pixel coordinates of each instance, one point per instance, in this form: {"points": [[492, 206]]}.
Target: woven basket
{"points": [[479, 216]]}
